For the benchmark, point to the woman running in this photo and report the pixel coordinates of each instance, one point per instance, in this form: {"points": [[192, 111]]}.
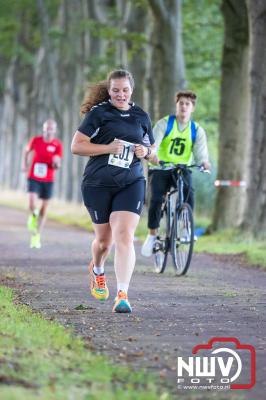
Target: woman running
{"points": [[116, 134]]}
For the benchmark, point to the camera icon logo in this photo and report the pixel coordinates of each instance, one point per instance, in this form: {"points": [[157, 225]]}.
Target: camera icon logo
{"points": [[222, 363]]}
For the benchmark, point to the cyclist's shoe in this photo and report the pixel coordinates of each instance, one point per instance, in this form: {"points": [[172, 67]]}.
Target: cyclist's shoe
{"points": [[122, 304], [98, 286], [35, 242], [147, 247], [32, 223]]}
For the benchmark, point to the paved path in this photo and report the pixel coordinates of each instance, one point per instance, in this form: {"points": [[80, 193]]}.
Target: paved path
{"points": [[218, 298]]}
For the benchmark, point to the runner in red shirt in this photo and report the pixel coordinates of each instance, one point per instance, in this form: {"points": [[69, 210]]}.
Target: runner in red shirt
{"points": [[41, 158]]}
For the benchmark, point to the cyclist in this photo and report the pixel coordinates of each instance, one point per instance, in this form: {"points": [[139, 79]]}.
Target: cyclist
{"points": [[116, 134], [46, 152], [178, 139]]}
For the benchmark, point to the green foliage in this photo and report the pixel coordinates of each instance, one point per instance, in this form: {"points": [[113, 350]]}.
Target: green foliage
{"points": [[19, 25], [40, 359], [20, 34], [203, 41], [111, 32], [8, 29], [18, 21]]}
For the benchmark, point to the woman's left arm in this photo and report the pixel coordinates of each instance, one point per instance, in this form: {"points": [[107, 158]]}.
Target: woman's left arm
{"points": [[145, 152]]}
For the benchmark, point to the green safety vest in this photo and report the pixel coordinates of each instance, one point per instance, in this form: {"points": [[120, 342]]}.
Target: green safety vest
{"points": [[176, 146]]}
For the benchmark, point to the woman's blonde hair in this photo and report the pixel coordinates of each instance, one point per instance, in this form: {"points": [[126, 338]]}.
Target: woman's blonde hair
{"points": [[98, 92]]}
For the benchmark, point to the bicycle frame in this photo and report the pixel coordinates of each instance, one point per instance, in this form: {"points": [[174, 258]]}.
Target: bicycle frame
{"points": [[171, 208], [173, 239]]}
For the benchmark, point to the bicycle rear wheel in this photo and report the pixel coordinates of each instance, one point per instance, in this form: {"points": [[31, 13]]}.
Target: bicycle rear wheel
{"points": [[182, 239], [161, 246]]}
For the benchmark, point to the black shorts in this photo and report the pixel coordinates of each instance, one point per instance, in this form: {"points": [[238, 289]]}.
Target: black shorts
{"points": [[102, 201], [43, 189]]}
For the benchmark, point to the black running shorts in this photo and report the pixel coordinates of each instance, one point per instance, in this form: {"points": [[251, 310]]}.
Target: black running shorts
{"points": [[102, 201], [43, 189]]}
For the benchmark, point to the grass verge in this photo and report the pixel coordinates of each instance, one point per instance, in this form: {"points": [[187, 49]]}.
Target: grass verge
{"points": [[234, 242], [40, 359]]}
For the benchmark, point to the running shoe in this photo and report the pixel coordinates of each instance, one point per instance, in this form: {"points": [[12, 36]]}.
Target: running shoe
{"points": [[98, 286], [147, 247], [35, 242], [122, 304], [32, 223]]}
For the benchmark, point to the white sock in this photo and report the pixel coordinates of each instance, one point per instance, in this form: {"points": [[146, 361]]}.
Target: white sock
{"points": [[122, 286], [98, 270]]}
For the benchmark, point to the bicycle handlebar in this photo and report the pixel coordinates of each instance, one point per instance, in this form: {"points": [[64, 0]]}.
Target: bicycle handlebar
{"points": [[183, 167]]}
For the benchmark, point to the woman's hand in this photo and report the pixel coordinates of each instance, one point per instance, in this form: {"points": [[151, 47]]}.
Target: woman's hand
{"points": [[116, 147], [141, 151]]}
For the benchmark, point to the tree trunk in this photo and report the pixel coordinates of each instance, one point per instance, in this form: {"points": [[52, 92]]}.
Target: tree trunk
{"points": [[14, 125], [138, 23], [233, 125], [51, 63], [255, 211], [166, 70]]}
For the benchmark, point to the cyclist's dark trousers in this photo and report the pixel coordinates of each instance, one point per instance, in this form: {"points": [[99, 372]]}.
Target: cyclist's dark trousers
{"points": [[160, 183]]}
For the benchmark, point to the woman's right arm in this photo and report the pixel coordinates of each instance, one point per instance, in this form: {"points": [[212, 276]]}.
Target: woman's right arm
{"points": [[82, 146]]}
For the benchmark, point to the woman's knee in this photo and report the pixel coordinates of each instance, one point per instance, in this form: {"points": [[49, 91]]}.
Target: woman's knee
{"points": [[104, 244], [123, 237]]}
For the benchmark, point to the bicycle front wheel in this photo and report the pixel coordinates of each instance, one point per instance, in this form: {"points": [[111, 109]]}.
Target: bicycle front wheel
{"points": [[161, 246], [182, 239]]}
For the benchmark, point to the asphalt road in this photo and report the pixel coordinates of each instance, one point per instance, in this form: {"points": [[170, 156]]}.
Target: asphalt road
{"points": [[220, 297]]}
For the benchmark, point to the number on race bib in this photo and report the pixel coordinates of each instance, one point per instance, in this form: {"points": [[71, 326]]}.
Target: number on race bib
{"points": [[177, 146], [124, 159], [40, 170]]}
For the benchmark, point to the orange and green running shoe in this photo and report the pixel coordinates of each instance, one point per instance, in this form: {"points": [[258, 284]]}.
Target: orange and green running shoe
{"points": [[98, 286], [122, 304]]}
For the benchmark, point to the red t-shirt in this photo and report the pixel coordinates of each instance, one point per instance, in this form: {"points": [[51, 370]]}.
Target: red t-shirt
{"points": [[43, 153]]}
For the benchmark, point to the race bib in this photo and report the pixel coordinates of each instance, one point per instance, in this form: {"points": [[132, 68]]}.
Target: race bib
{"points": [[40, 170], [124, 159]]}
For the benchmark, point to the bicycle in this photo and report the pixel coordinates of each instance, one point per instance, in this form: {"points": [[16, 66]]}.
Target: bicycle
{"points": [[176, 232]]}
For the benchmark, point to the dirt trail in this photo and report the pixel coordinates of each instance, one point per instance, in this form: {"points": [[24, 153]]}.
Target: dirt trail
{"points": [[218, 298]]}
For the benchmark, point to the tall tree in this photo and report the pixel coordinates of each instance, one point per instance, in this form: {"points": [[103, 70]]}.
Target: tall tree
{"points": [[18, 42], [234, 111], [138, 24], [242, 147], [51, 62], [254, 220], [166, 69]]}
